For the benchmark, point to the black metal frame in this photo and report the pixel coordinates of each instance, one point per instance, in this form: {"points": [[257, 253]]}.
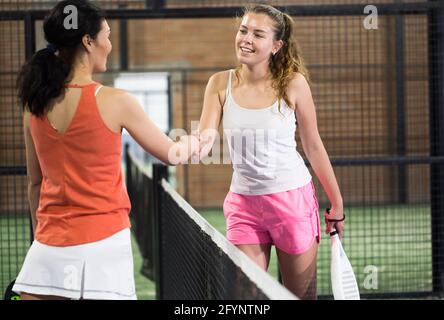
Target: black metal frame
{"points": [[433, 160], [160, 12], [400, 106], [436, 84]]}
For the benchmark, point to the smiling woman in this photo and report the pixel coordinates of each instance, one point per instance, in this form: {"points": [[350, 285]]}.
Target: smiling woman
{"points": [[271, 199], [271, 33]]}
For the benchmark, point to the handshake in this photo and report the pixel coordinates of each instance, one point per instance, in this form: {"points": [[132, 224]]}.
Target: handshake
{"points": [[195, 147]]}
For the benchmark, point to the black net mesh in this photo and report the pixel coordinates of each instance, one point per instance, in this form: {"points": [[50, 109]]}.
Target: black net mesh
{"points": [[240, 3], [140, 191], [371, 93], [195, 261], [194, 266], [14, 218]]}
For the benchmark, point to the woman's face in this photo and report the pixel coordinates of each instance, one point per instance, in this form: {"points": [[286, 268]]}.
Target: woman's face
{"points": [[101, 48], [255, 41]]}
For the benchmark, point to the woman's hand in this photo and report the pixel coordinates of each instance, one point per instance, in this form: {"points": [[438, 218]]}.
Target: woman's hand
{"points": [[180, 152], [334, 219], [191, 146]]}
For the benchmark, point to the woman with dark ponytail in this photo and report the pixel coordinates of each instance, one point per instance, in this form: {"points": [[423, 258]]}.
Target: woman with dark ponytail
{"points": [[72, 126], [272, 199]]}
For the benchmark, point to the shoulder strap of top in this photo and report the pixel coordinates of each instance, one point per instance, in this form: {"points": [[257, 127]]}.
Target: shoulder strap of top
{"points": [[97, 90], [228, 92]]}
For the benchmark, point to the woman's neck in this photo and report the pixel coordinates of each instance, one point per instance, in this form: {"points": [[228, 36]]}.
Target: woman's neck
{"points": [[80, 74], [255, 75]]}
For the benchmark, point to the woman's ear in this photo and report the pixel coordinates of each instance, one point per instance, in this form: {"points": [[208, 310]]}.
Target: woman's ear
{"points": [[87, 42], [277, 46]]}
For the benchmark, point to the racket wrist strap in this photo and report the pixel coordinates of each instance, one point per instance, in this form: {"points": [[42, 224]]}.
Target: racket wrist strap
{"points": [[336, 220]]}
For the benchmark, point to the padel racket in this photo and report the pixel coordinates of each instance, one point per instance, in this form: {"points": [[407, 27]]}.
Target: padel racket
{"points": [[343, 280]]}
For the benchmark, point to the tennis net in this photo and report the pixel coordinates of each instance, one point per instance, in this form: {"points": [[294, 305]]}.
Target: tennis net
{"points": [[186, 256]]}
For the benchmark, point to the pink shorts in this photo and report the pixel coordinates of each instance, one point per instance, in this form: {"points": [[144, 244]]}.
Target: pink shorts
{"points": [[288, 219]]}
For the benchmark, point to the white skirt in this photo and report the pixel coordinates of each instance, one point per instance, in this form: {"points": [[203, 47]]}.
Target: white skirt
{"points": [[97, 270]]}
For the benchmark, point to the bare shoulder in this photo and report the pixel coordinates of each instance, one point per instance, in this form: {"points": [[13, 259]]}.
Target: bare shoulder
{"points": [[115, 95], [116, 100], [298, 89], [117, 106], [217, 85], [219, 80], [298, 82]]}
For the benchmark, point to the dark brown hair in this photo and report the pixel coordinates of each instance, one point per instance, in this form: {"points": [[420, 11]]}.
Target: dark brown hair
{"points": [[43, 77]]}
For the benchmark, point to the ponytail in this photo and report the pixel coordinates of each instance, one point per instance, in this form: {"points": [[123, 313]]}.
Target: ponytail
{"points": [[41, 79], [287, 60]]}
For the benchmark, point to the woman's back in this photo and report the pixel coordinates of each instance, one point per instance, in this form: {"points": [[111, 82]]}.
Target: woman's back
{"points": [[79, 155], [63, 109], [73, 137], [77, 197]]}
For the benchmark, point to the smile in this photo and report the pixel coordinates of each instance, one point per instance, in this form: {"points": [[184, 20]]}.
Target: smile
{"points": [[246, 50]]}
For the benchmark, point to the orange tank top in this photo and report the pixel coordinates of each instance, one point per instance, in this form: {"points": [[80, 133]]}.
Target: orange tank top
{"points": [[83, 197]]}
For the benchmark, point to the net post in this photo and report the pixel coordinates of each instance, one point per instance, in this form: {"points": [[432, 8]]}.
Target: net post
{"points": [[160, 171], [436, 97], [128, 174]]}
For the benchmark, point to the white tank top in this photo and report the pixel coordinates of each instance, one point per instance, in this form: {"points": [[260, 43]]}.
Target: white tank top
{"points": [[262, 148]]}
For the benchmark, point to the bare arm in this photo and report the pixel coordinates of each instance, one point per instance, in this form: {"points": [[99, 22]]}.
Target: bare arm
{"points": [[315, 150], [34, 172], [211, 113], [149, 136]]}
